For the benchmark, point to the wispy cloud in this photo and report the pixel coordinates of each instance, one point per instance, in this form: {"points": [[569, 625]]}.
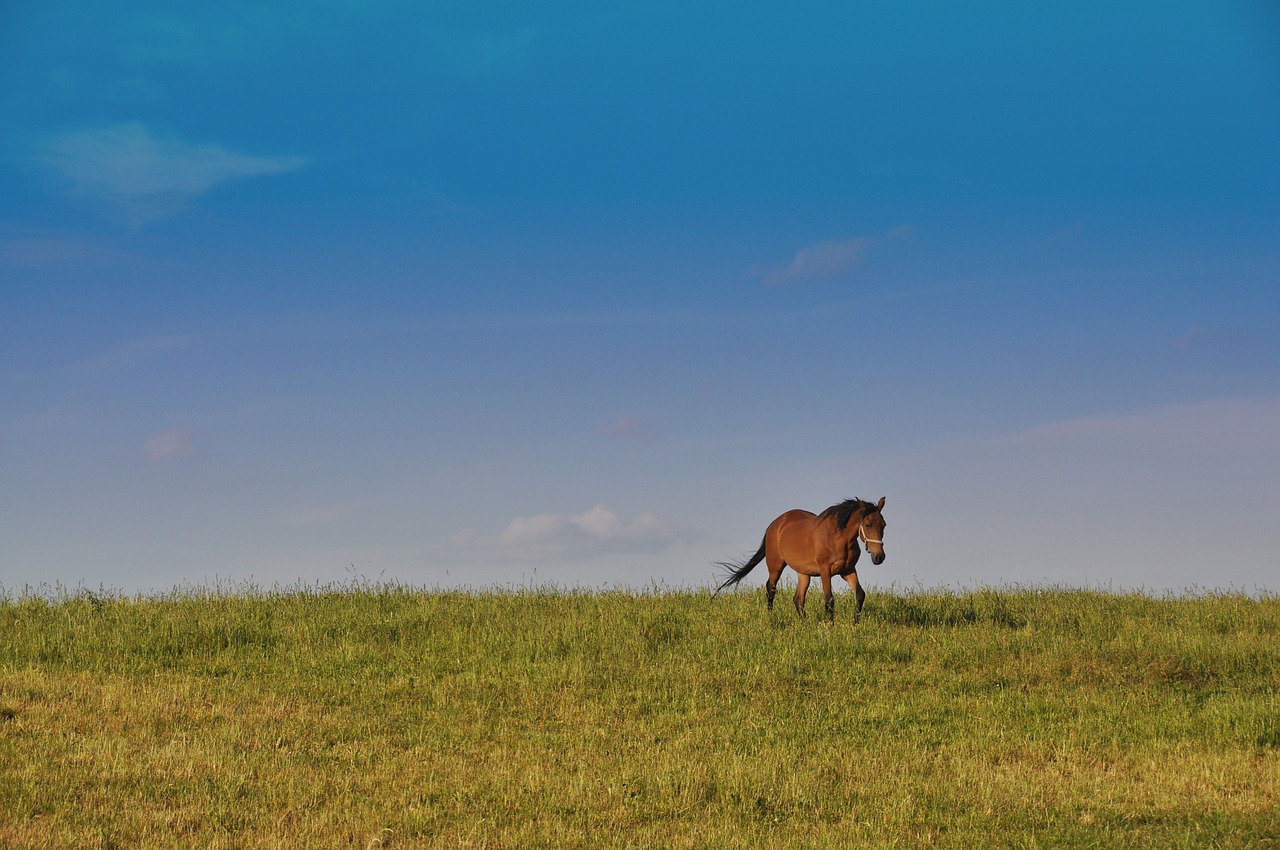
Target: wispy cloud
{"points": [[823, 260], [170, 445], [1070, 233], [313, 515], [129, 166], [1214, 426], [1192, 338], [631, 428], [1231, 341], [33, 249], [240, 33], [596, 531], [131, 353], [479, 55]]}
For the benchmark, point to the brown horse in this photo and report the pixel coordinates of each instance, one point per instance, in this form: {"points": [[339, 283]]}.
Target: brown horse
{"points": [[823, 545]]}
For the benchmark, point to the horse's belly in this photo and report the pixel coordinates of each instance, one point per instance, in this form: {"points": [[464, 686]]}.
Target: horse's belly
{"points": [[798, 548], [805, 569], [806, 546]]}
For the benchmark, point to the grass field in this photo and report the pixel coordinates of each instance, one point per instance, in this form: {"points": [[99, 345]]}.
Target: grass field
{"points": [[375, 716]]}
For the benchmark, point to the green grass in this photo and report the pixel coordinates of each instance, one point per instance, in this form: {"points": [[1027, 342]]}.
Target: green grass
{"points": [[391, 717]]}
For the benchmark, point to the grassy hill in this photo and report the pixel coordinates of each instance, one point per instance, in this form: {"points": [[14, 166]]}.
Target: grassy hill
{"points": [[391, 717]]}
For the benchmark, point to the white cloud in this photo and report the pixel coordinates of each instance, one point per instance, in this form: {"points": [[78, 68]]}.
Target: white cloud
{"points": [[171, 444], [532, 530], [593, 532], [823, 260], [126, 164]]}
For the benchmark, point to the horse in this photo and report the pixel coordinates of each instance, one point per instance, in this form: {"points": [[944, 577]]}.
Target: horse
{"points": [[823, 545]]}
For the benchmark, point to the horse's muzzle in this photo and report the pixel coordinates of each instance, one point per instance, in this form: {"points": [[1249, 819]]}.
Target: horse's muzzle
{"points": [[877, 559]]}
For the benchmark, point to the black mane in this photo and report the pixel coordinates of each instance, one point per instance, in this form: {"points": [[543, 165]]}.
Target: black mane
{"points": [[846, 509]]}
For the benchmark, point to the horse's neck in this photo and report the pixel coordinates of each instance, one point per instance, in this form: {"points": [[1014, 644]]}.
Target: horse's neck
{"points": [[851, 527]]}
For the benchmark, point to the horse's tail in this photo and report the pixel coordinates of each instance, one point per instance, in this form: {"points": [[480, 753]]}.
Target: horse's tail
{"points": [[737, 572]]}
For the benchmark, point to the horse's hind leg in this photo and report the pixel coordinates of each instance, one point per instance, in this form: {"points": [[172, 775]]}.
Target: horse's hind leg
{"points": [[776, 565], [802, 587]]}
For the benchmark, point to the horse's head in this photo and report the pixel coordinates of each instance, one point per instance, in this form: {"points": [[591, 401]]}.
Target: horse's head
{"points": [[871, 530]]}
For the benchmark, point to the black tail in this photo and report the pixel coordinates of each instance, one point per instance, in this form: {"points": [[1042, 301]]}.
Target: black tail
{"points": [[737, 572]]}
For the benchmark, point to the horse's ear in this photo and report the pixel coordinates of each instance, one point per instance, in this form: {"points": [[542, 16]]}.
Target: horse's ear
{"points": [[880, 504]]}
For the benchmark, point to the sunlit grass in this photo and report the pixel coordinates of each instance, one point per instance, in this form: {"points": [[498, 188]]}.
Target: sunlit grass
{"points": [[387, 716]]}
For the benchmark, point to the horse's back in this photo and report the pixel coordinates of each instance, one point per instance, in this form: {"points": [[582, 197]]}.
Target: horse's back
{"points": [[793, 515]]}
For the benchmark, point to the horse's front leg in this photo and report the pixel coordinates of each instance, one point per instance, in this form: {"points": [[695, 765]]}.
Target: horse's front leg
{"points": [[802, 588], [858, 593], [828, 598]]}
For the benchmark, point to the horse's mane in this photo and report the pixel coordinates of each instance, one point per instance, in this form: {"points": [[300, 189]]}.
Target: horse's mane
{"points": [[846, 509]]}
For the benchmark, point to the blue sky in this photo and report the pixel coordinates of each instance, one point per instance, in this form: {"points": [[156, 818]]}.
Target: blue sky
{"points": [[489, 294]]}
